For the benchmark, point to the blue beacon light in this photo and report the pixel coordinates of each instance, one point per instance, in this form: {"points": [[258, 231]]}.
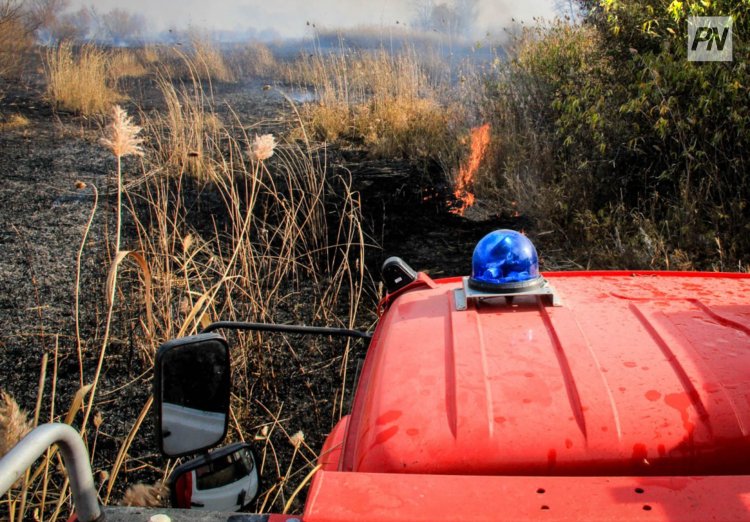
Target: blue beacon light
{"points": [[505, 261]]}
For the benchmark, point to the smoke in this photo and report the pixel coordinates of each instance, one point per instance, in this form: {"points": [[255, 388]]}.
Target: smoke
{"points": [[494, 15], [289, 18]]}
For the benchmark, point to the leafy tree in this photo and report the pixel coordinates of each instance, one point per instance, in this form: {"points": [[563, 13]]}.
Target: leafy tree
{"points": [[455, 18], [16, 36], [75, 26], [688, 123], [638, 137], [43, 14], [122, 27]]}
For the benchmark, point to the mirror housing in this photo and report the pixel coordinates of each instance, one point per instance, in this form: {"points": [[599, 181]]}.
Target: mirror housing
{"points": [[397, 274], [191, 392], [223, 480]]}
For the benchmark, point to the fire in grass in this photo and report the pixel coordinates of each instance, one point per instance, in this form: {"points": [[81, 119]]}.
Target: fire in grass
{"points": [[463, 192]]}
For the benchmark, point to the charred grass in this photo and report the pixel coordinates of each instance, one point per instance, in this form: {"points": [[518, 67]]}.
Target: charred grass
{"points": [[193, 224], [205, 225]]}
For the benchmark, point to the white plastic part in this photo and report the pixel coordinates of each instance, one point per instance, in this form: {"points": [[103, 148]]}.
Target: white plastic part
{"points": [[225, 497]]}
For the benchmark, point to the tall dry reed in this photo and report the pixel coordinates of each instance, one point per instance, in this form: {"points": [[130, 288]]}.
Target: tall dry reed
{"points": [[208, 61], [275, 231], [16, 38], [78, 80], [258, 230], [388, 101]]}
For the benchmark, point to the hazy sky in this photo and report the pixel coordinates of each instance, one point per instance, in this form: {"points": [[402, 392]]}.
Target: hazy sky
{"points": [[289, 17]]}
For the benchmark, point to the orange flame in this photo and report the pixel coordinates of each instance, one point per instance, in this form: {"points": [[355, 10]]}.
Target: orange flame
{"points": [[480, 140]]}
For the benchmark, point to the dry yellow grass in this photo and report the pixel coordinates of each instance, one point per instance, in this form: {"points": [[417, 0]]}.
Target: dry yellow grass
{"points": [[80, 81], [387, 101], [125, 63], [143, 495], [329, 120], [209, 62], [404, 126], [202, 61], [355, 77], [148, 55], [15, 121], [14, 423], [184, 136], [15, 38], [253, 59]]}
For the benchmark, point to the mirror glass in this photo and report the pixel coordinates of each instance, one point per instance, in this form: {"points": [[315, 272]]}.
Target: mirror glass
{"points": [[224, 480], [192, 391]]}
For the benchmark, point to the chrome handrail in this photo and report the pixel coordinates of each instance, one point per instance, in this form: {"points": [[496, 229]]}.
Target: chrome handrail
{"points": [[76, 460]]}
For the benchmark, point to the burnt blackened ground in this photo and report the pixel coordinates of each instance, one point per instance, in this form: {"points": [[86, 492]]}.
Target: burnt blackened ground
{"points": [[48, 171], [409, 209]]}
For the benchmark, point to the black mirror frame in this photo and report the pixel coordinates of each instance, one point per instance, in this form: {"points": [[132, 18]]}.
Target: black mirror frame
{"points": [[197, 462], [161, 352]]}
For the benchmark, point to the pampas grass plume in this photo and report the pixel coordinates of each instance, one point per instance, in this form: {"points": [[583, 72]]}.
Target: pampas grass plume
{"points": [[122, 135], [262, 147], [297, 439], [14, 423]]}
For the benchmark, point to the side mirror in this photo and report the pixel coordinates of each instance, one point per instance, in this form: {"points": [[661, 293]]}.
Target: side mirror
{"points": [[223, 480], [191, 391], [397, 274]]}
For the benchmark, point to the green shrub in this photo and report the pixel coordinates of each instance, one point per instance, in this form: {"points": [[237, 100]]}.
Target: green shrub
{"points": [[687, 123], [611, 115], [555, 123]]}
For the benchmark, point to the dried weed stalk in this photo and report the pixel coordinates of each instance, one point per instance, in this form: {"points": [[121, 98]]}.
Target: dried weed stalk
{"points": [[77, 80], [14, 423], [144, 495], [122, 139]]}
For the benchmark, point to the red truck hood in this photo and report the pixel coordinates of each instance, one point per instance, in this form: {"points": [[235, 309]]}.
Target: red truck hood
{"points": [[635, 374]]}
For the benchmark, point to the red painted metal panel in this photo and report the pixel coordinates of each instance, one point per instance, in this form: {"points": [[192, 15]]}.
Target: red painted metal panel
{"points": [[365, 497], [636, 374], [330, 455]]}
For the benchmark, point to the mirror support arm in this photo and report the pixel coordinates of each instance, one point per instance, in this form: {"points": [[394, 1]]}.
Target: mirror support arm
{"points": [[287, 328]]}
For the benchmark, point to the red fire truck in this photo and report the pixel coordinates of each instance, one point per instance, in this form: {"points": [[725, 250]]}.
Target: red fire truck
{"points": [[508, 395]]}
